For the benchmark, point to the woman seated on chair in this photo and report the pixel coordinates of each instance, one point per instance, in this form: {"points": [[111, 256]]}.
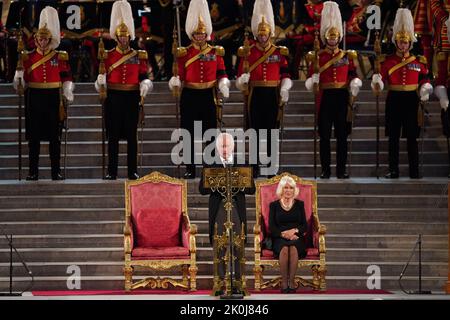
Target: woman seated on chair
{"points": [[287, 223]]}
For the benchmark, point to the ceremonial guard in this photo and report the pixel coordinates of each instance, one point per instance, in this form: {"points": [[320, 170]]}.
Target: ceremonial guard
{"points": [[47, 79], [440, 10], [201, 70], [333, 71], [263, 73], [403, 73], [127, 84]]}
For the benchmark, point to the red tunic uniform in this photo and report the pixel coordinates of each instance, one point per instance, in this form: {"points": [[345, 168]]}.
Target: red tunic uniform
{"points": [[48, 74], [337, 74], [126, 75], [268, 73], [407, 77], [200, 69]]}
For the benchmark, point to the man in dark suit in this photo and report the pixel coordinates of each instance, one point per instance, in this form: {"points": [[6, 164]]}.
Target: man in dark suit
{"points": [[217, 212]]}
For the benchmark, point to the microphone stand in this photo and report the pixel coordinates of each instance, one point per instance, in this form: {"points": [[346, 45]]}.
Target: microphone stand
{"points": [[418, 243], [11, 249]]}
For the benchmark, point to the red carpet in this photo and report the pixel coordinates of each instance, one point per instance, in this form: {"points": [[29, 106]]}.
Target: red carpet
{"points": [[198, 292]]}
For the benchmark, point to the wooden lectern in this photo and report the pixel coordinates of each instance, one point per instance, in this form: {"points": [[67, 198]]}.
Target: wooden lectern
{"points": [[228, 181]]}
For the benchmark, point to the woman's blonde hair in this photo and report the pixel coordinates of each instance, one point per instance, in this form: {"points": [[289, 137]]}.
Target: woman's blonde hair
{"points": [[287, 180]]}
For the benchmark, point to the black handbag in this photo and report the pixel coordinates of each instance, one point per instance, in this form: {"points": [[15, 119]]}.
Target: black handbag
{"points": [[267, 243]]}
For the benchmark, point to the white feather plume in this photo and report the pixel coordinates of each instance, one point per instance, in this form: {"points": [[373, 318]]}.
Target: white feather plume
{"points": [[404, 21], [330, 17], [196, 9], [121, 11], [263, 8], [49, 18]]}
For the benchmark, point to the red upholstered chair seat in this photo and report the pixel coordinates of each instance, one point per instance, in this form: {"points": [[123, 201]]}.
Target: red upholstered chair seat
{"points": [[311, 254], [160, 253]]}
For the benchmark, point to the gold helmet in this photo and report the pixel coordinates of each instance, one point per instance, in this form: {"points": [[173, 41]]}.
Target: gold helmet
{"points": [[121, 22], [201, 26], [122, 30], [332, 34], [263, 22], [198, 19], [264, 27], [44, 32], [330, 22], [49, 27], [403, 29]]}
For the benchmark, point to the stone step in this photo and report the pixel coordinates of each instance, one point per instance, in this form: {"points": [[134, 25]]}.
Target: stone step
{"points": [[206, 253], [431, 283], [151, 133], [164, 146], [336, 268], [432, 186], [162, 159], [346, 201], [196, 213], [116, 227], [336, 241]]}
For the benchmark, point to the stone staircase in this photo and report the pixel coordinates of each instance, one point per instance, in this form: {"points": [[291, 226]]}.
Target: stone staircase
{"points": [[79, 221]]}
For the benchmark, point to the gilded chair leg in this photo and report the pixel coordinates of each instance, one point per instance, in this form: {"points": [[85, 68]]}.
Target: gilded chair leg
{"points": [[128, 273], [322, 276], [258, 277], [316, 277], [185, 271], [193, 272]]}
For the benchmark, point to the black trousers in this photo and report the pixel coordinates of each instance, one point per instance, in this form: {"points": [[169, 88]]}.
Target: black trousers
{"points": [[42, 124], [333, 111], [401, 121], [197, 105], [263, 114], [121, 119]]}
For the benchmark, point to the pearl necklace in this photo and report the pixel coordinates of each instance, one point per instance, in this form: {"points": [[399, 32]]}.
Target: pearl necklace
{"points": [[286, 207]]}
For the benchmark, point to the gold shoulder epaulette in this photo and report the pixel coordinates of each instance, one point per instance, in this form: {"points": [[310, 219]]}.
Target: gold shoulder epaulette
{"points": [[220, 51], [352, 54], [422, 59], [181, 52], [310, 57], [441, 56], [62, 55], [284, 50], [142, 55]]}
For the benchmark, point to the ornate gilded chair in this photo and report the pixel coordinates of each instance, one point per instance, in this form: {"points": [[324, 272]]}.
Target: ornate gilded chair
{"points": [[157, 233], [315, 236]]}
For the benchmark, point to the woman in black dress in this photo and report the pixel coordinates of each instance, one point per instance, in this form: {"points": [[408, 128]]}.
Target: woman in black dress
{"points": [[287, 223]]}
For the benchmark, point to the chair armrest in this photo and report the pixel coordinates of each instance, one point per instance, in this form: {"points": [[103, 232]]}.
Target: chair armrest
{"points": [[192, 239], [185, 230], [257, 233], [322, 231], [128, 236]]}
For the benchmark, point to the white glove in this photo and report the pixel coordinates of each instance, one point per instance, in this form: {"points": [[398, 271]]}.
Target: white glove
{"points": [[355, 84], [18, 75], [377, 79], [425, 90], [242, 81], [101, 81], [68, 88], [145, 86], [224, 87], [441, 94], [174, 82], [309, 83], [286, 85]]}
